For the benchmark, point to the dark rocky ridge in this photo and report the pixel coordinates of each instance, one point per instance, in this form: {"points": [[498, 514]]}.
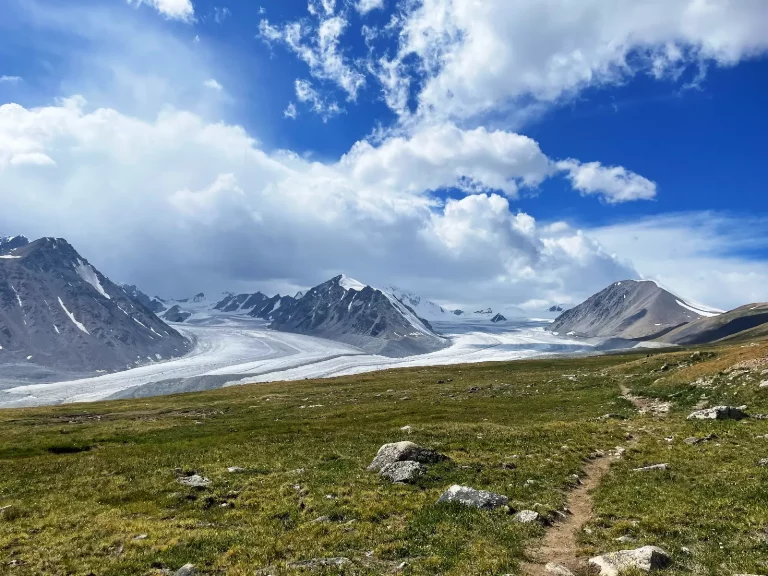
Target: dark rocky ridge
{"points": [[58, 312]]}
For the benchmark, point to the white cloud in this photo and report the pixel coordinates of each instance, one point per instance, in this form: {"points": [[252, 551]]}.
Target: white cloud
{"points": [[614, 184], [307, 94], [220, 14], [365, 6], [318, 46], [702, 256], [482, 56], [30, 158], [10, 79], [171, 9], [124, 187], [213, 85], [290, 111]]}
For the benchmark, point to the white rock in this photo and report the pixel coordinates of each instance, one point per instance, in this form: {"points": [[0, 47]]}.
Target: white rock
{"points": [[406, 472], [471, 497], [402, 451], [527, 517], [718, 413], [186, 570], [557, 570], [651, 468], [235, 469], [194, 481], [646, 559]]}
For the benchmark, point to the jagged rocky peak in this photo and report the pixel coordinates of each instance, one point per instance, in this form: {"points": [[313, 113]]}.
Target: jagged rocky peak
{"points": [[155, 304], [350, 311], [59, 312], [556, 308], [498, 318], [10, 243]]}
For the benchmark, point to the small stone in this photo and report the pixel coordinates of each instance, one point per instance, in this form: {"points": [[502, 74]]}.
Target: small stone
{"points": [[321, 520], [527, 517], [762, 462], [475, 498], [557, 570], [647, 558], [664, 466], [194, 481], [692, 441], [625, 539], [509, 465], [404, 472], [400, 567], [186, 570], [235, 469], [402, 451], [718, 413], [406, 429], [141, 537]]}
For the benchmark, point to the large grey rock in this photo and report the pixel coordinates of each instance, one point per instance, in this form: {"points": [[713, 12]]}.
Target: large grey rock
{"points": [[647, 558], [718, 413], [404, 472], [475, 498], [186, 570], [401, 452]]}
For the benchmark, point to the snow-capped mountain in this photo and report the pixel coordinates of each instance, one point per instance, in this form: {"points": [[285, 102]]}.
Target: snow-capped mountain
{"points": [[241, 302], [422, 307], [349, 311], [272, 306], [59, 312]]}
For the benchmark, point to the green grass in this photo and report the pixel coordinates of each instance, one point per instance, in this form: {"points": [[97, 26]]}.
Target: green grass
{"points": [[85, 480]]}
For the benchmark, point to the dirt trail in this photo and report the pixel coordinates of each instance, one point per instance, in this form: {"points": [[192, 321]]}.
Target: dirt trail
{"points": [[559, 546]]}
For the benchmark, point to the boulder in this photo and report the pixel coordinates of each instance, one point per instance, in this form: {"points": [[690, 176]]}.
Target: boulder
{"points": [[186, 570], [404, 472], [718, 413], [557, 570], [402, 451], [528, 517], [692, 441], [646, 559], [194, 481], [475, 498]]}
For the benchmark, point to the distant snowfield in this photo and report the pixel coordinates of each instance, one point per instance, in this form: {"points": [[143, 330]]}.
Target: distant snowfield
{"points": [[234, 350]]}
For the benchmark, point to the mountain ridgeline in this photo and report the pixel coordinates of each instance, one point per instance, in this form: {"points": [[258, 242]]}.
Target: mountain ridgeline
{"points": [[58, 314]]}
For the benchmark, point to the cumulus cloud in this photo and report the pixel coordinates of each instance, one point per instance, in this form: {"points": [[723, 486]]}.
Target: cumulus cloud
{"points": [[549, 49], [172, 9], [290, 111], [614, 184], [178, 202]]}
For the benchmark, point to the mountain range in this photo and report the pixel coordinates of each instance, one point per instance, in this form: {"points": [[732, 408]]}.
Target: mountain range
{"points": [[59, 314]]}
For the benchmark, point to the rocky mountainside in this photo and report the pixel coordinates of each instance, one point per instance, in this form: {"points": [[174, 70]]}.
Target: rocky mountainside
{"points": [[59, 312], [155, 304], [241, 302], [728, 325], [9, 243], [348, 311], [634, 310], [269, 309]]}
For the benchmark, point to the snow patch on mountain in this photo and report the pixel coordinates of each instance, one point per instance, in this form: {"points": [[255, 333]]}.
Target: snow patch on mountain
{"points": [[350, 283], [72, 317], [87, 273]]}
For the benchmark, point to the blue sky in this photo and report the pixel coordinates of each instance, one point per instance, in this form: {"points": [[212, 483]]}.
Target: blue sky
{"points": [[521, 154]]}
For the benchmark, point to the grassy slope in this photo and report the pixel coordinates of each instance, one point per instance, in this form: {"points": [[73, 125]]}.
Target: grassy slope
{"points": [[85, 480]]}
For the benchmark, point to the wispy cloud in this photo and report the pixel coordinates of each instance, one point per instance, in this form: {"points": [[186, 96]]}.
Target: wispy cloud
{"points": [[10, 79]]}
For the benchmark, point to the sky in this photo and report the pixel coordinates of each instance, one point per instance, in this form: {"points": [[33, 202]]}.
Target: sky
{"points": [[490, 153]]}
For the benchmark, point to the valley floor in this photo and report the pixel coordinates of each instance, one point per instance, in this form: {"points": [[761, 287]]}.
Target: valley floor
{"points": [[99, 488], [235, 349]]}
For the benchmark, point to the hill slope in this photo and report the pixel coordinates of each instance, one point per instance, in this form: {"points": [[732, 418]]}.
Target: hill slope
{"points": [[59, 312], [635, 310], [745, 319]]}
